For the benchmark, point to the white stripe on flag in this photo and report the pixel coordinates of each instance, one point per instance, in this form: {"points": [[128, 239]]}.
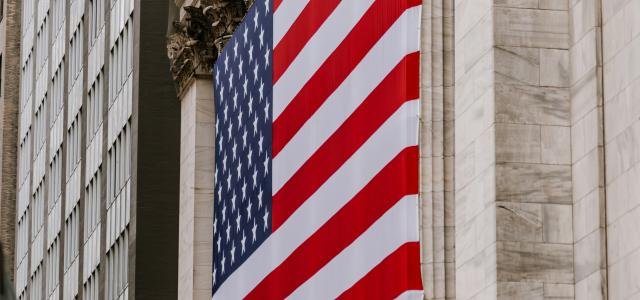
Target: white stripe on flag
{"points": [[400, 40], [328, 37], [411, 295], [284, 16], [374, 154], [379, 241]]}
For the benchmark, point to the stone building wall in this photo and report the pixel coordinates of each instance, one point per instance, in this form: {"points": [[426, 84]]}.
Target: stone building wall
{"points": [[546, 149]]}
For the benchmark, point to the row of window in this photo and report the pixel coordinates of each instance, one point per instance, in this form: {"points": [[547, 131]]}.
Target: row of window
{"points": [[119, 153]]}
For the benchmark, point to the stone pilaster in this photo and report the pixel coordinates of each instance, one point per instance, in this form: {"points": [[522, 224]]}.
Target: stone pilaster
{"points": [[513, 187], [621, 96], [436, 144], [475, 166], [197, 141], [587, 144]]}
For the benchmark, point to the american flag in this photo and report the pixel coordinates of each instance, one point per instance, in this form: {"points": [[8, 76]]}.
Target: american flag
{"points": [[316, 192]]}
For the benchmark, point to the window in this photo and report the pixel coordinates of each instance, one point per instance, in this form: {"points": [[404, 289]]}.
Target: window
{"points": [[37, 213], [27, 79], [55, 180], [71, 244], [91, 287], [57, 16], [94, 108], [57, 94], [97, 20], [36, 284], [22, 248], [42, 46], [75, 55], [53, 267], [24, 159], [74, 147], [92, 207], [39, 129], [119, 165], [117, 266]]}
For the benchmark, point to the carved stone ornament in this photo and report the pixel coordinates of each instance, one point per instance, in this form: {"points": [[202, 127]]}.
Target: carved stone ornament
{"points": [[197, 39]]}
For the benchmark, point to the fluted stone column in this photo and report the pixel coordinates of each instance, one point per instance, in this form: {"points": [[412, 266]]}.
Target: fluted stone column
{"points": [[437, 148]]}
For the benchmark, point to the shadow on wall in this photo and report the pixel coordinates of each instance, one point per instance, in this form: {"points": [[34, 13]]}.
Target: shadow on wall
{"points": [[6, 288]]}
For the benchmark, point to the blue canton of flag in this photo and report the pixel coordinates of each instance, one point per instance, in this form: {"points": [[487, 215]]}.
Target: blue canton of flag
{"points": [[243, 101]]}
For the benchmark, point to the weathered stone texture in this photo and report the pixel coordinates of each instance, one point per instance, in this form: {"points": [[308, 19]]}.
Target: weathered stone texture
{"points": [[437, 140], [9, 98], [621, 76]]}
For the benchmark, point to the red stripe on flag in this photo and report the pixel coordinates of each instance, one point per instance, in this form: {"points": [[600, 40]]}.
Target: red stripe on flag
{"points": [[303, 28], [396, 274], [401, 85], [276, 4], [396, 180], [371, 27]]}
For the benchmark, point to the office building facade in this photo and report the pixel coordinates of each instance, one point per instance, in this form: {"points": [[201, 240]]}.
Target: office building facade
{"points": [[95, 182]]}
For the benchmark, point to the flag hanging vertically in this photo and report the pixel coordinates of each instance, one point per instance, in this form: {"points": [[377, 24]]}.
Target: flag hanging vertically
{"points": [[316, 193]]}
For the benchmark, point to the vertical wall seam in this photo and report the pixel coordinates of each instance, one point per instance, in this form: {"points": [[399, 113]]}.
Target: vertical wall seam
{"points": [[602, 155]]}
